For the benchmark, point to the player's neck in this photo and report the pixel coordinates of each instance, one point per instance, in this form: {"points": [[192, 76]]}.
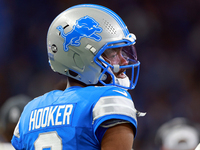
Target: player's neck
{"points": [[71, 83]]}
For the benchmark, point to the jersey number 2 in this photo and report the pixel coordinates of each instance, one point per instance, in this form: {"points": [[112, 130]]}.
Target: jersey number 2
{"points": [[48, 140]]}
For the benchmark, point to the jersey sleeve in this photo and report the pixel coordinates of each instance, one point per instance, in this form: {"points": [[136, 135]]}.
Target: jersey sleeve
{"points": [[16, 139], [114, 106]]}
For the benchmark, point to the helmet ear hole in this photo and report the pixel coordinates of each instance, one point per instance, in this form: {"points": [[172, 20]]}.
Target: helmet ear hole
{"points": [[72, 73]]}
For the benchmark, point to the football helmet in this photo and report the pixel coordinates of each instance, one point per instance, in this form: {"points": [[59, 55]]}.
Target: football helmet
{"points": [[78, 37]]}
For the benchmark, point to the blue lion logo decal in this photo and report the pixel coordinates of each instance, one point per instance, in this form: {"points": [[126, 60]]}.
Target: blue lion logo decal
{"points": [[84, 27]]}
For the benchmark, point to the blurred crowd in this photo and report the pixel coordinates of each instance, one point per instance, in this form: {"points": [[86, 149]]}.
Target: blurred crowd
{"points": [[168, 47]]}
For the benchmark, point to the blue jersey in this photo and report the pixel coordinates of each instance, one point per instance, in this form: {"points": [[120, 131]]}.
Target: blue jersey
{"points": [[74, 119]]}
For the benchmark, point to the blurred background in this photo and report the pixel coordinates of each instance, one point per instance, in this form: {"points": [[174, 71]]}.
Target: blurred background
{"points": [[168, 47]]}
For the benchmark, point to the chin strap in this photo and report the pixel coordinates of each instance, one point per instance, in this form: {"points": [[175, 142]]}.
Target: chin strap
{"points": [[123, 82]]}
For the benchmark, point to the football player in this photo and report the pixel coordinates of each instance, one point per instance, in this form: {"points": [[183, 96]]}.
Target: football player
{"points": [[91, 45], [178, 134], [10, 113]]}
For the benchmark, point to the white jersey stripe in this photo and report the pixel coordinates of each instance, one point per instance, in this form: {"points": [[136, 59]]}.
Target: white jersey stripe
{"points": [[16, 131], [114, 105]]}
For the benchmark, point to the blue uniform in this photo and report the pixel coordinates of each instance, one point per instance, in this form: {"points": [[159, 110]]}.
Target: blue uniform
{"points": [[74, 119]]}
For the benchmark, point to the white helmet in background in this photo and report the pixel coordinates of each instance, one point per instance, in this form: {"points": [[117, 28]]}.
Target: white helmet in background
{"points": [[78, 37]]}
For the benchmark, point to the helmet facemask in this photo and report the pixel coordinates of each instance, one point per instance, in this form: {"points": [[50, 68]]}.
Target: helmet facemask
{"points": [[118, 61]]}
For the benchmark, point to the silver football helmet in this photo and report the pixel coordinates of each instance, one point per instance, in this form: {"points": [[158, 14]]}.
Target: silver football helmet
{"points": [[79, 36]]}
